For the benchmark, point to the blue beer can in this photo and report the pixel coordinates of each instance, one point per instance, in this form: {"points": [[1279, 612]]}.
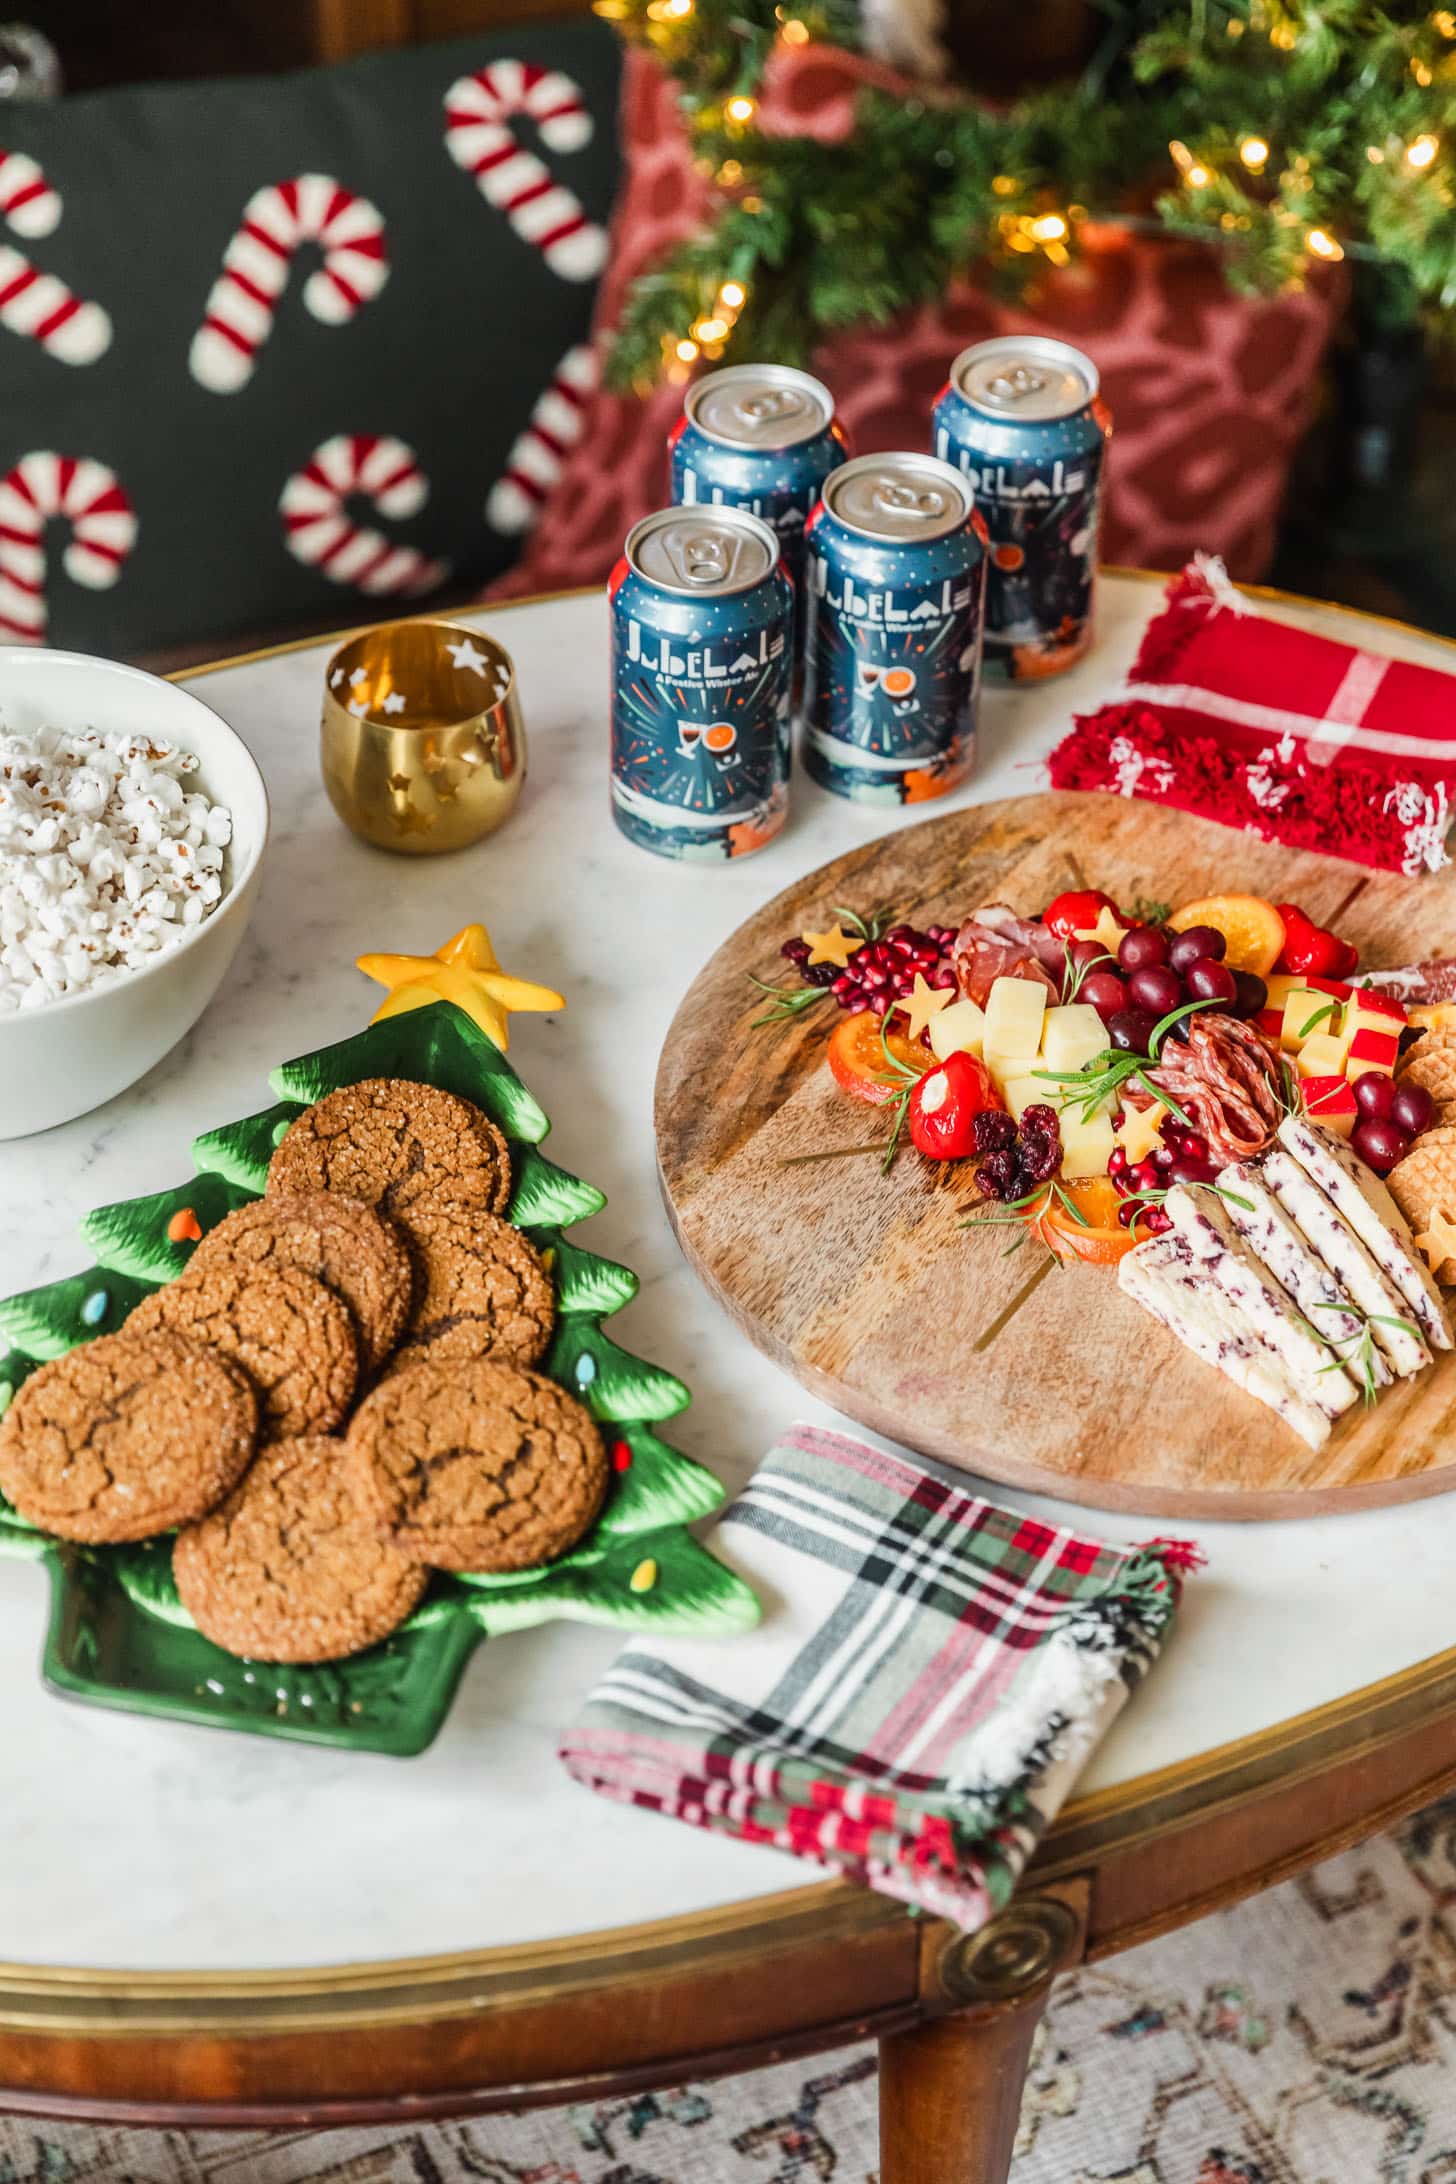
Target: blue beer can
{"points": [[761, 437], [702, 667], [896, 585], [1022, 418]]}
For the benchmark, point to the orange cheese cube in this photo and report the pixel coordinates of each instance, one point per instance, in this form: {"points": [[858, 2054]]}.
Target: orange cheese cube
{"points": [[1330, 1102]]}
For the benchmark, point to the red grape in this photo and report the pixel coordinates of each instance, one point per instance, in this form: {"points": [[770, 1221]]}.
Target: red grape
{"points": [[1156, 987], [1412, 1108], [1207, 980], [1375, 1096], [1144, 946], [1199, 941], [1106, 992], [1380, 1144], [1184, 1170], [1130, 1029], [1251, 995], [1082, 952]]}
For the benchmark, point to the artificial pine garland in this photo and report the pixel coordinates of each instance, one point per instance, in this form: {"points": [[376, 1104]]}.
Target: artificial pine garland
{"points": [[1287, 134]]}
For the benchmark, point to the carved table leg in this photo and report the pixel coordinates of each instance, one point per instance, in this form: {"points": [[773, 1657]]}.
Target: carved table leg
{"points": [[950, 2090]]}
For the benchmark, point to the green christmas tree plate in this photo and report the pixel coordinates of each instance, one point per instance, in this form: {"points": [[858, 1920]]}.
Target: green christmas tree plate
{"points": [[118, 1634]]}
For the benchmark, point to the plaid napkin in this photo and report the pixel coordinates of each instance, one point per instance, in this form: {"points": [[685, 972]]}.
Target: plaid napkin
{"points": [[1235, 715], [930, 1674]]}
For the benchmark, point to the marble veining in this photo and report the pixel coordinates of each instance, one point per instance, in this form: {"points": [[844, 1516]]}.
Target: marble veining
{"points": [[145, 1844]]}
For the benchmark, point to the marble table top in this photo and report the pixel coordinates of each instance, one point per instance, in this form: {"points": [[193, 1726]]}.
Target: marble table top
{"points": [[142, 1844]]}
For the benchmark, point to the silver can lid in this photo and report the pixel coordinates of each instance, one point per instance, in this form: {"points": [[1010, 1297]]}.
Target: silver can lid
{"points": [[760, 406], [1025, 378], [703, 553], [899, 498]]}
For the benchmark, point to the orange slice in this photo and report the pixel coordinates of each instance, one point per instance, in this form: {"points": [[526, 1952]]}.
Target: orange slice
{"points": [[1252, 927], [1101, 1242]]}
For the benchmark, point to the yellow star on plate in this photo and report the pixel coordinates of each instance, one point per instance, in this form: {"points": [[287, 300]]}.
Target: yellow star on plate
{"points": [[921, 1003], [1140, 1131], [464, 971], [833, 945], [1439, 1241]]}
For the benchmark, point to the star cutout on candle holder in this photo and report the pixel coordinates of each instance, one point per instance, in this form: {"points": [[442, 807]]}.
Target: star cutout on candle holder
{"points": [[394, 703], [1439, 1242], [464, 971], [922, 1003], [465, 655], [833, 945]]}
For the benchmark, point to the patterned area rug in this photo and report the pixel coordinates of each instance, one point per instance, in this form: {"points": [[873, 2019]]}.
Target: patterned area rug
{"points": [[1308, 2037]]}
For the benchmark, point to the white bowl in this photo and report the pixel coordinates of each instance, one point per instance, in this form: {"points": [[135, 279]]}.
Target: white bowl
{"points": [[66, 1057]]}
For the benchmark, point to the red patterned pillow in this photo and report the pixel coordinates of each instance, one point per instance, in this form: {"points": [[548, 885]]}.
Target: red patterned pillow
{"points": [[1209, 391]]}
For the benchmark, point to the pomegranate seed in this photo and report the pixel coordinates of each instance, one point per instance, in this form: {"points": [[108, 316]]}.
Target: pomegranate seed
{"points": [[843, 984]]}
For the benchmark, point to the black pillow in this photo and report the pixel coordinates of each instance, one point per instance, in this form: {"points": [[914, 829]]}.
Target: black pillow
{"points": [[446, 209]]}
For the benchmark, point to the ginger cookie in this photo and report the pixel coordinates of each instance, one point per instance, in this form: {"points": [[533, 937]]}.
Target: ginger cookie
{"points": [[483, 1291], [292, 1567], [395, 1145], [479, 1466], [341, 1242], [291, 1336], [126, 1436]]}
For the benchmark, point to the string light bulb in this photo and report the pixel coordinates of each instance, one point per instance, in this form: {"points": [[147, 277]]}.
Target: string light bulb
{"points": [[1323, 245], [795, 33], [739, 109], [732, 296], [686, 351], [1197, 176], [709, 330], [1254, 153], [1050, 227], [1422, 151]]}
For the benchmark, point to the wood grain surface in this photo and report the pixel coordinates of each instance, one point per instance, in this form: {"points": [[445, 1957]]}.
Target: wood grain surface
{"points": [[867, 1289]]}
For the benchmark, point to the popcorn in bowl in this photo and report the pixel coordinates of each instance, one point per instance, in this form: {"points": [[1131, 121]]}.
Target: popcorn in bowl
{"points": [[106, 861]]}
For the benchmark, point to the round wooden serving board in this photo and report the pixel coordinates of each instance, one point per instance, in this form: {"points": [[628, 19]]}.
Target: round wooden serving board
{"points": [[865, 1287]]}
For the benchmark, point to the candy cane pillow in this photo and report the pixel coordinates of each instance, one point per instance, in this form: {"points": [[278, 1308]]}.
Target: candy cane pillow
{"points": [[273, 350]]}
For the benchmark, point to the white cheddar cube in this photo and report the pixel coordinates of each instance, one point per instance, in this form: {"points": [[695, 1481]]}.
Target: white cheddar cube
{"points": [[1071, 1035], [1303, 1005], [960, 1029], [1025, 1090], [1015, 1008], [1086, 1146]]}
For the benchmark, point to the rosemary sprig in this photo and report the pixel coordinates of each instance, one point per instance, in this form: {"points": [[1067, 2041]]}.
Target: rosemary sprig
{"points": [[907, 1079], [1156, 1197], [1318, 1018], [1107, 1072], [1151, 913], [1074, 975], [786, 1002], [1359, 1360]]}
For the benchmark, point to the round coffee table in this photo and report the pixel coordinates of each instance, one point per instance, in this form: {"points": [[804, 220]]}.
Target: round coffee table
{"points": [[211, 1929]]}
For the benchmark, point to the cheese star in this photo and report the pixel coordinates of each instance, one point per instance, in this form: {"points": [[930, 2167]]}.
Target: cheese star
{"points": [[1139, 1131], [1439, 1242], [833, 945], [465, 655], [922, 1003], [464, 971], [1106, 930]]}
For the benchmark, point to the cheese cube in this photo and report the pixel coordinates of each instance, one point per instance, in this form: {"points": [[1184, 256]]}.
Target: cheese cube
{"points": [[1071, 1034], [1086, 1146], [1372, 1050], [1024, 1090], [1281, 985], [1322, 1055], [1368, 1012], [1015, 1009], [1389, 1012], [1304, 1006], [1330, 1102], [959, 1029]]}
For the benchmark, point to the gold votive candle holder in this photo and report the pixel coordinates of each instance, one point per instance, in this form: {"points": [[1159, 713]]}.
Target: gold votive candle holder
{"points": [[423, 745]]}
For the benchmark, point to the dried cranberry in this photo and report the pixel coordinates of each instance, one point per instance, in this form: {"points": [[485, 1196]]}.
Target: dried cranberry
{"points": [[994, 1129], [820, 974], [796, 951], [1041, 1121]]}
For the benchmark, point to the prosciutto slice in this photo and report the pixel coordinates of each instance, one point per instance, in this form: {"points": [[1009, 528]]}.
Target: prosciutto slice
{"points": [[995, 943]]}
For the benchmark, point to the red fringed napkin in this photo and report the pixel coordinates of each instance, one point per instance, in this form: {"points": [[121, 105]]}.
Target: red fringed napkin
{"points": [[1240, 718]]}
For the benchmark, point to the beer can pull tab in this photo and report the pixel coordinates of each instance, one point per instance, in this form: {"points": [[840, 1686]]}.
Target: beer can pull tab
{"points": [[705, 559], [1016, 384], [894, 498], [772, 404]]}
